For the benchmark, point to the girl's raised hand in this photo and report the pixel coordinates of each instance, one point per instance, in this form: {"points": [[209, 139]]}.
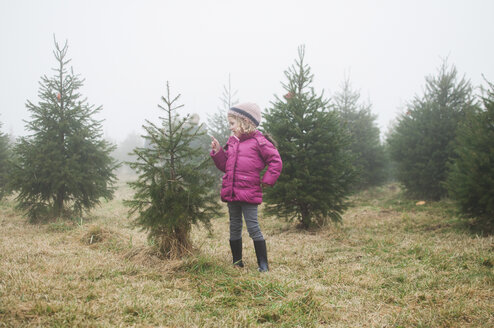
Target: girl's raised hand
{"points": [[215, 145]]}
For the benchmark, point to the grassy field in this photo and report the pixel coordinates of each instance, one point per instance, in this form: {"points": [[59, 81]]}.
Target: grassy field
{"points": [[390, 264]]}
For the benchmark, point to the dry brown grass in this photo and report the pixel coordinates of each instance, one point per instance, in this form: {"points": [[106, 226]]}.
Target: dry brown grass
{"points": [[391, 264]]}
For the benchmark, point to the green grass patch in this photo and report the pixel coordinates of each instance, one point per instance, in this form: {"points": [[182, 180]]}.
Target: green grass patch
{"points": [[392, 263]]}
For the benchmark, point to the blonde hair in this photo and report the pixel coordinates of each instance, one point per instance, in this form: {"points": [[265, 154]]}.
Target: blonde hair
{"points": [[245, 125]]}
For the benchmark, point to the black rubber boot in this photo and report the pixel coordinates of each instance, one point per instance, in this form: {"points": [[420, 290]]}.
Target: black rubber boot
{"points": [[236, 246], [262, 255]]}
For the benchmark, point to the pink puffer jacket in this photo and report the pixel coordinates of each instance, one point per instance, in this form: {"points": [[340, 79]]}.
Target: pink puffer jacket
{"points": [[242, 160]]}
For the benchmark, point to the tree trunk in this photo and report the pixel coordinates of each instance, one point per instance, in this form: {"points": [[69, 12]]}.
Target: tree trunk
{"points": [[306, 217], [58, 206]]}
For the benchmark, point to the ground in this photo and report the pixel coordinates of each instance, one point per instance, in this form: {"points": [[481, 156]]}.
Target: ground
{"points": [[391, 263]]}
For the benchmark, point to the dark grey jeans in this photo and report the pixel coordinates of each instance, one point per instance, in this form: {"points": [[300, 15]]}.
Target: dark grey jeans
{"points": [[236, 209]]}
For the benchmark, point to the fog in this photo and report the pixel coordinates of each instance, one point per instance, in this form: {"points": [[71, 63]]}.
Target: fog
{"points": [[127, 50]]}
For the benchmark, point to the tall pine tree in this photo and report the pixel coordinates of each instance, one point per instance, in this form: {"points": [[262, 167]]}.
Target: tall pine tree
{"points": [[4, 162], [64, 166], [173, 190], [471, 177], [317, 172], [357, 117], [422, 142]]}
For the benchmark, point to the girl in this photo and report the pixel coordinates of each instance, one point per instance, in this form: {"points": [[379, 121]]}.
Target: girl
{"points": [[245, 155]]}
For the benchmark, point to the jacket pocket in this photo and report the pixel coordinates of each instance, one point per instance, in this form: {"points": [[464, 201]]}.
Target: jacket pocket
{"points": [[248, 181]]}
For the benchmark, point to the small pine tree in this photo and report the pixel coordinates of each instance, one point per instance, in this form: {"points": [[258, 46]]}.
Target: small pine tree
{"points": [[317, 172], [422, 142], [4, 162], [173, 190], [64, 166], [366, 146], [471, 177]]}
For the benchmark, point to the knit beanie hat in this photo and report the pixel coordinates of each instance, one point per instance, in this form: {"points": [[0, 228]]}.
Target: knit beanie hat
{"points": [[249, 111]]}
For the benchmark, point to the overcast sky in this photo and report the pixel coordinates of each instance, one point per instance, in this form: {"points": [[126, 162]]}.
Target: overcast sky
{"points": [[127, 50]]}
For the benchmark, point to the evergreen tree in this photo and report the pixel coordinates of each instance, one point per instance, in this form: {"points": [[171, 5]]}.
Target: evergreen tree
{"points": [[317, 172], [124, 153], [366, 146], [203, 140], [173, 190], [4, 162], [471, 177], [422, 142], [218, 123], [125, 149], [64, 165]]}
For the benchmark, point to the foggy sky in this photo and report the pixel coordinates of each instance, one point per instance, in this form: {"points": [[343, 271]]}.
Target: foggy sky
{"points": [[127, 50]]}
